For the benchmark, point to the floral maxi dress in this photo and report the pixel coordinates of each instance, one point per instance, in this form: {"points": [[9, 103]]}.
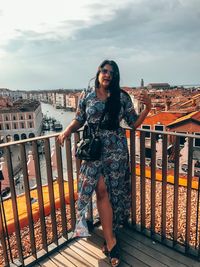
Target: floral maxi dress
{"points": [[113, 165]]}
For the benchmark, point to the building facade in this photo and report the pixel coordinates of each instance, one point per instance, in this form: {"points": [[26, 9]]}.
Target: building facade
{"points": [[21, 120]]}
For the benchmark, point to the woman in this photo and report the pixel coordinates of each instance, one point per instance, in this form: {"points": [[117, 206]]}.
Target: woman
{"points": [[109, 176]]}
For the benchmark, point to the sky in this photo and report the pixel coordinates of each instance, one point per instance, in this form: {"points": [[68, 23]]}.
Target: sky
{"points": [[52, 44]]}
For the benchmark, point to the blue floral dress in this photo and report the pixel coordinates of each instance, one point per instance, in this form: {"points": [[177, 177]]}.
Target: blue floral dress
{"points": [[113, 165]]}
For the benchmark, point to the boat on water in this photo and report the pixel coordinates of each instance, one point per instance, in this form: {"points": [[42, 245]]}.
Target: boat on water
{"points": [[45, 126], [57, 126]]}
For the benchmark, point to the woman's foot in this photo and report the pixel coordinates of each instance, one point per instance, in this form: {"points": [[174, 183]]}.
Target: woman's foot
{"points": [[105, 248], [114, 255]]}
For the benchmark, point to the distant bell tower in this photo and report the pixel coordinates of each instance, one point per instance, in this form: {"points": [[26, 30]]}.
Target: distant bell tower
{"points": [[140, 105], [142, 83]]}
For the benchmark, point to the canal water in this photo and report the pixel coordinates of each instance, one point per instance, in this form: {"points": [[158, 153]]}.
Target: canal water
{"points": [[61, 115], [64, 117]]}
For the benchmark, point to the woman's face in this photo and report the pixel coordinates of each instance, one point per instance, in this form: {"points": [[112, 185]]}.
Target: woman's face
{"points": [[105, 75]]}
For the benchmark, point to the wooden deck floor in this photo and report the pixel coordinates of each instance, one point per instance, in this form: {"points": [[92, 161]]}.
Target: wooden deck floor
{"points": [[137, 250]]}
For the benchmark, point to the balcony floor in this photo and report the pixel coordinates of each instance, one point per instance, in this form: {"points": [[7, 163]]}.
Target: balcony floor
{"points": [[137, 250]]}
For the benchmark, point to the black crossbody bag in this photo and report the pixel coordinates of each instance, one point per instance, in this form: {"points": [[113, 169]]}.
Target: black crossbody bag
{"points": [[89, 147]]}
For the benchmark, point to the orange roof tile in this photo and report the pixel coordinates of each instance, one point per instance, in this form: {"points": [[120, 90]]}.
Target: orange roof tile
{"points": [[163, 117], [194, 115]]}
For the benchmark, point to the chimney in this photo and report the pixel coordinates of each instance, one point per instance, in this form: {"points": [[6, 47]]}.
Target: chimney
{"points": [[142, 83], [167, 104], [153, 111]]}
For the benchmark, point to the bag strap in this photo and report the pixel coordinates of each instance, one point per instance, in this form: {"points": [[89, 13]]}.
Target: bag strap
{"points": [[88, 131], [102, 117], [86, 127]]}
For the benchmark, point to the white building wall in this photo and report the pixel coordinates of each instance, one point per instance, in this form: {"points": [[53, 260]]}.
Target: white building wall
{"points": [[25, 123], [60, 100]]}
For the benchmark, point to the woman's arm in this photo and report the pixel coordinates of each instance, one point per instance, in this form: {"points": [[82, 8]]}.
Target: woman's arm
{"points": [[71, 128], [146, 100], [77, 122]]}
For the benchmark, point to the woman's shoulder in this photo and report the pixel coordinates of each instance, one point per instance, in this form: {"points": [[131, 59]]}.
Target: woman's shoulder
{"points": [[87, 92]]}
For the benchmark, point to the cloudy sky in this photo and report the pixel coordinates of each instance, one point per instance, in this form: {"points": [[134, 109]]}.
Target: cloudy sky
{"points": [[49, 44]]}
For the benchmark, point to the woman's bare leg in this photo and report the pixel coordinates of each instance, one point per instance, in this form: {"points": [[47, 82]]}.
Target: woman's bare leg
{"points": [[105, 213]]}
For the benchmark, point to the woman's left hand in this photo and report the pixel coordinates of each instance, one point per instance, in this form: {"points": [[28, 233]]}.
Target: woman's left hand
{"points": [[145, 99]]}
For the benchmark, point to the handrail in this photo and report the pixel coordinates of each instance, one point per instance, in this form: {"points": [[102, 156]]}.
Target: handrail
{"points": [[57, 204], [126, 128]]}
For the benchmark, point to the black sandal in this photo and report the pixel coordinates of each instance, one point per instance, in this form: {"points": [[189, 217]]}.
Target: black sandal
{"points": [[104, 248], [114, 256]]}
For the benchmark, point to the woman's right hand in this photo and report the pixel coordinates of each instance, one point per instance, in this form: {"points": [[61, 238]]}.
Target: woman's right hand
{"points": [[64, 135]]}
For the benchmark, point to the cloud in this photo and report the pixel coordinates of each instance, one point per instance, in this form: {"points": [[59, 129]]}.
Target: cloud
{"points": [[158, 24], [156, 40]]}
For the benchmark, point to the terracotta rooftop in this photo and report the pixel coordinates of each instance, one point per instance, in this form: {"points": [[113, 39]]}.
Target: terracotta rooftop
{"points": [[22, 106], [164, 117], [193, 115]]}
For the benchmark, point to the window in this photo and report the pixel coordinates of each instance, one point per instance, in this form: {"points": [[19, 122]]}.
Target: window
{"points": [[22, 125], [1, 128], [14, 118], [197, 140], [15, 125], [29, 117], [7, 127], [21, 117], [159, 128], [182, 138], [147, 127], [7, 119]]}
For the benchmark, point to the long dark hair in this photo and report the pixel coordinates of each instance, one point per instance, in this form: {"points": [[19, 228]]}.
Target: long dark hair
{"points": [[113, 103]]}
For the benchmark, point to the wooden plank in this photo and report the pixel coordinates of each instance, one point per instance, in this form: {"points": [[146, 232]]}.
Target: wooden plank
{"points": [[95, 249], [74, 257], [181, 259], [92, 258], [127, 258], [60, 260], [144, 253], [147, 246], [137, 250], [47, 263], [97, 242]]}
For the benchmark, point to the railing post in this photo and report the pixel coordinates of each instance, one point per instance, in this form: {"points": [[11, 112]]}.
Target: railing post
{"points": [[14, 204], [176, 189], [189, 186], [133, 177], [61, 189], [40, 195], [28, 199], [2, 232], [142, 179], [51, 191], [70, 183], [78, 161], [164, 187], [153, 181]]}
